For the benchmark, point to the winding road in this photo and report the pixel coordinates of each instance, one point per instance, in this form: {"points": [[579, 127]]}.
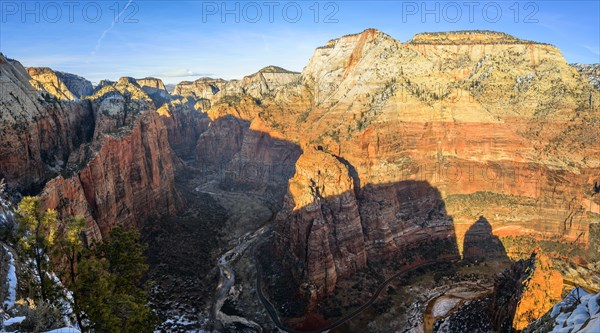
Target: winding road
{"points": [[227, 280], [275, 317]]}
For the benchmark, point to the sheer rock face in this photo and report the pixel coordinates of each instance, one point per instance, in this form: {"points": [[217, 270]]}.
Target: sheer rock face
{"points": [[184, 125], [204, 88], [329, 227], [543, 290], [38, 135], [501, 116], [111, 149], [151, 82], [129, 178], [127, 174], [155, 89], [262, 82], [247, 156], [320, 225]]}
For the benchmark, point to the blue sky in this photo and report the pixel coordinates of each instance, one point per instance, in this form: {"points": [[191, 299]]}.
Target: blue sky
{"points": [[184, 40]]}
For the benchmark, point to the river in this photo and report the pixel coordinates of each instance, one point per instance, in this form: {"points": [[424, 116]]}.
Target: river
{"points": [[227, 280]]}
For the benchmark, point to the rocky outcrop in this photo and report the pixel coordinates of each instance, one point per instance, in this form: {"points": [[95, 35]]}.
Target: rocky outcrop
{"points": [[319, 228], [590, 72], [520, 294], [118, 106], [578, 312], [265, 81], [542, 290], [126, 174], [508, 291], [466, 37], [155, 89], [109, 153], [258, 85], [61, 85], [204, 88], [330, 226], [481, 117]]}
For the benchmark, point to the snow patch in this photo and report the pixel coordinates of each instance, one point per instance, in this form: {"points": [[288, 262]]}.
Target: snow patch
{"points": [[11, 277], [15, 320], [579, 311], [65, 330], [443, 306]]}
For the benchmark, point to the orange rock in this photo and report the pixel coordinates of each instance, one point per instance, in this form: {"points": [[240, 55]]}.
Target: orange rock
{"points": [[542, 291]]}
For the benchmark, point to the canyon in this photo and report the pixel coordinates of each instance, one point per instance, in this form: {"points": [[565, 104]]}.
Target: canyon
{"points": [[468, 147]]}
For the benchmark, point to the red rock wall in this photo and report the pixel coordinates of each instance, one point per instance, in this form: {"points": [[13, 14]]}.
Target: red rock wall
{"points": [[129, 179]]}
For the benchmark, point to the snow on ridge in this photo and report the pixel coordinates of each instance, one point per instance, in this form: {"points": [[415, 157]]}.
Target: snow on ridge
{"points": [[65, 330], [15, 320], [579, 311], [12, 280]]}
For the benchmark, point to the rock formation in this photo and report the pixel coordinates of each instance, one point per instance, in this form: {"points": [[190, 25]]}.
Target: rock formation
{"points": [[508, 291], [522, 293], [110, 151], [542, 290], [155, 89], [591, 72], [479, 116], [59, 84], [38, 132], [378, 146], [127, 180], [330, 226], [578, 312]]}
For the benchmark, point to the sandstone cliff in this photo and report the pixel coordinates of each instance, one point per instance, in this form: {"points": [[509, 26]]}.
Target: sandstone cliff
{"points": [[127, 175], [61, 85], [155, 88], [330, 226], [129, 178], [542, 290], [110, 151], [498, 125], [258, 85], [38, 132], [388, 145], [591, 72], [579, 311]]}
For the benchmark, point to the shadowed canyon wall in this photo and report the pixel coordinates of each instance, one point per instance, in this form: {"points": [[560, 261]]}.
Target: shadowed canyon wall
{"points": [[368, 151]]}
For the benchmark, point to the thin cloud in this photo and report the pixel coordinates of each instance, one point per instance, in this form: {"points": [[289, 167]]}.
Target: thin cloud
{"points": [[594, 50], [112, 25], [182, 73]]}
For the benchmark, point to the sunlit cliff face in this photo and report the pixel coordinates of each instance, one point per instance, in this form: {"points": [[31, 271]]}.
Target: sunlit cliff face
{"points": [[378, 146]]}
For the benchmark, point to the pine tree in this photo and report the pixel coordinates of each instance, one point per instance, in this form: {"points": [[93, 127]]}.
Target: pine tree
{"points": [[108, 286], [67, 252], [105, 279], [94, 294], [37, 231]]}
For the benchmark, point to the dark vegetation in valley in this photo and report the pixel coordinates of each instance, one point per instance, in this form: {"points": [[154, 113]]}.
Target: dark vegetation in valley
{"points": [[181, 256]]}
